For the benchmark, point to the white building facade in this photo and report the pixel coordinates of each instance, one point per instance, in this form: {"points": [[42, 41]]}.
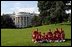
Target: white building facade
{"points": [[22, 19]]}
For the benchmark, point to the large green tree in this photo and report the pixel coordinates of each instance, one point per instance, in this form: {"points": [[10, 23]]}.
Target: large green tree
{"points": [[7, 22], [54, 9], [36, 21]]}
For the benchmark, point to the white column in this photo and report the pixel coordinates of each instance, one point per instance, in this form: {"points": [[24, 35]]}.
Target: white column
{"points": [[23, 21], [26, 21], [15, 20], [20, 21]]}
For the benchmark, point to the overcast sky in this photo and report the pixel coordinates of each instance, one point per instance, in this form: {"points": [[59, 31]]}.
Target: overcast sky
{"points": [[20, 6], [17, 6]]}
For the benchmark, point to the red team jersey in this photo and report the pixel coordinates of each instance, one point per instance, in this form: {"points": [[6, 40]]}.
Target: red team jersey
{"points": [[34, 34], [39, 37], [49, 36], [43, 36], [57, 35]]}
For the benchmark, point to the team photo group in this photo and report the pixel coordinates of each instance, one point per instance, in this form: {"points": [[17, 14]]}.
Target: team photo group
{"points": [[57, 36]]}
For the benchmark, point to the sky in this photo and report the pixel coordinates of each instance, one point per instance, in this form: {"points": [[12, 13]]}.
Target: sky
{"points": [[20, 6]]}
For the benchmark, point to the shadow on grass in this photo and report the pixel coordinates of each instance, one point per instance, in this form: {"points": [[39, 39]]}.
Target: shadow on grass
{"points": [[66, 40], [65, 24], [17, 28]]}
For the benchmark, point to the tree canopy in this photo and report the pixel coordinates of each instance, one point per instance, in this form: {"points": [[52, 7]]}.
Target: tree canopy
{"points": [[54, 9], [7, 22]]}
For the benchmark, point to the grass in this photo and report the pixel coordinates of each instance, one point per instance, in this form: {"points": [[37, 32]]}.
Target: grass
{"points": [[22, 37]]}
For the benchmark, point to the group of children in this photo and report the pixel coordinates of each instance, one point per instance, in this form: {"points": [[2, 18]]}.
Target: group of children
{"points": [[57, 36]]}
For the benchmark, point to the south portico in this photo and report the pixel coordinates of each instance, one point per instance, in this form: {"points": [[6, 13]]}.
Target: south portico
{"points": [[22, 20]]}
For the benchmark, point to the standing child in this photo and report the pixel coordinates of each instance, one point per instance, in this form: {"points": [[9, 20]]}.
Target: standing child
{"points": [[62, 36], [49, 36], [56, 35], [43, 37], [34, 34], [39, 37]]}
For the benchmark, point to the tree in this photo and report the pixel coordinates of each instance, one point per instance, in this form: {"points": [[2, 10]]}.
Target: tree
{"points": [[43, 7], [7, 22], [36, 21], [55, 9]]}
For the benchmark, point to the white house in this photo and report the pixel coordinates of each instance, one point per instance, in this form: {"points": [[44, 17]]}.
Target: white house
{"points": [[22, 19]]}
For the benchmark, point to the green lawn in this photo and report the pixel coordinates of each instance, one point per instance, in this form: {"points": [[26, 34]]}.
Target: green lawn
{"points": [[22, 37]]}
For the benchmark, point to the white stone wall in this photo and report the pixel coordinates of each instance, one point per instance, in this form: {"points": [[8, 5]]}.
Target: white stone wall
{"points": [[22, 20]]}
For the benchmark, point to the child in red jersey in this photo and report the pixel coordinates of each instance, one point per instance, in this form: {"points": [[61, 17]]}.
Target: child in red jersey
{"points": [[34, 34], [39, 37], [56, 35], [62, 36], [49, 36], [43, 37]]}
